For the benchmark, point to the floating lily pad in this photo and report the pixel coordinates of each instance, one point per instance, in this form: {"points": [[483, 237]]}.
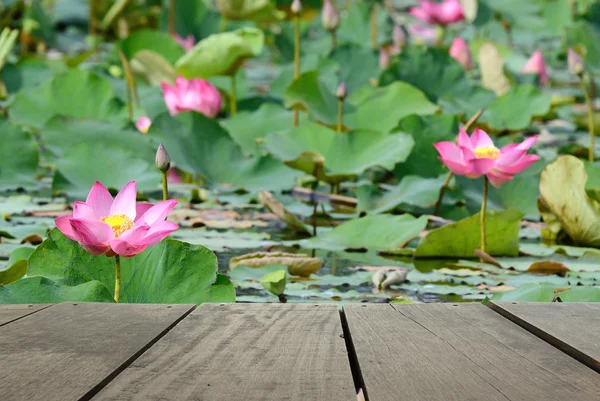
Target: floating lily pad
{"points": [[374, 111], [221, 53], [309, 145], [19, 157], [379, 232], [200, 145], [502, 235], [14, 272], [40, 290], [545, 293], [298, 264], [516, 108], [169, 272]]}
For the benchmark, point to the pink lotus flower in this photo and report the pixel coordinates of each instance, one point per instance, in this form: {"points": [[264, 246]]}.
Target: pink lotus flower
{"points": [[196, 94], [384, 59], [537, 65], [186, 43], [102, 225], [143, 124], [461, 53], [444, 13], [422, 32], [477, 156]]}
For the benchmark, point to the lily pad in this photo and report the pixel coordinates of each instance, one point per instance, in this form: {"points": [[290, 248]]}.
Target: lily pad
{"points": [[502, 235], [19, 157], [93, 99], [562, 190], [545, 292], [13, 273], [516, 108], [274, 282], [378, 232], [412, 190], [169, 272], [158, 42], [40, 290], [374, 111], [255, 10], [310, 93], [154, 67], [200, 145], [221, 53], [307, 146]]}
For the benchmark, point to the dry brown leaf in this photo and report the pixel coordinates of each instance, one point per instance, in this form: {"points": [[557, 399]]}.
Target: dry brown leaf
{"points": [[298, 264], [548, 267]]}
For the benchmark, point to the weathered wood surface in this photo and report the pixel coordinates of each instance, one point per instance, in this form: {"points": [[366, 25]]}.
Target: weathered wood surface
{"points": [[66, 352], [459, 352], [10, 313], [571, 327], [244, 352]]}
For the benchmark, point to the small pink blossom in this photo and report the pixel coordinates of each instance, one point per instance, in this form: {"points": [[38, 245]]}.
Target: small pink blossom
{"points": [[103, 225], [143, 124], [360, 396], [537, 65], [196, 94], [444, 13], [173, 176], [422, 32], [461, 53], [186, 43], [477, 156]]}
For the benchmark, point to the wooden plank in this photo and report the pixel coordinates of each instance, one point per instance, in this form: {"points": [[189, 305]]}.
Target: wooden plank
{"points": [[69, 351], [572, 327], [10, 313], [243, 352], [443, 352]]}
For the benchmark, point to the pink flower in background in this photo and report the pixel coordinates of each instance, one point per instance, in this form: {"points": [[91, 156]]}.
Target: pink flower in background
{"points": [[477, 156], [196, 94], [461, 53], [537, 65], [186, 43], [360, 396], [143, 124], [173, 176], [102, 225], [384, 59], [444, 13], [422, 32]]}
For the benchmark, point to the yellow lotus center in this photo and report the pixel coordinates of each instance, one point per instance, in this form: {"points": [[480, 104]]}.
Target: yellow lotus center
{"points": [[488, 152], [119, 223]]}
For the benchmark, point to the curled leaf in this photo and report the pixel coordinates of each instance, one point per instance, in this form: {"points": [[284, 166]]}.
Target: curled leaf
{"points": [[298, 264]]}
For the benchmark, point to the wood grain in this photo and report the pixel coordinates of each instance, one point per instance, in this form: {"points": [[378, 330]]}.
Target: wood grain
{"points": [[10, 313], [67, 352], [442, 352], [572, 327], [243, 352]]}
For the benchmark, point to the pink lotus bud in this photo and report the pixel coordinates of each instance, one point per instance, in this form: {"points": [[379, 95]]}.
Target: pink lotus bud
{"points": [[384, 59], [143, 124], [477, 155], [576, 63], [186, 43], [296, 7], [422, 33], [444, 13], [330, 16], [399, 36], [163, 160], [537, 65], [106, 226], [196, 94], [341, 91], [461, 53]]}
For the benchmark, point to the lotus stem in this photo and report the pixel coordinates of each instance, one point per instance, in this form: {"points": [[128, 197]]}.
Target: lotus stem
{"points": [[333, 40], [282, 298], [340, 117], [590, 107], [482, 215], [296, 62], [117, 277], [374, 27], [468, 127], [233, 99], [92, 19], [172, 14], [165, 185]]}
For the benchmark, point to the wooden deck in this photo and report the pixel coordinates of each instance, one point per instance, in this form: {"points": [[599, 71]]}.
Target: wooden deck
{"points": [[279, 352]]}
